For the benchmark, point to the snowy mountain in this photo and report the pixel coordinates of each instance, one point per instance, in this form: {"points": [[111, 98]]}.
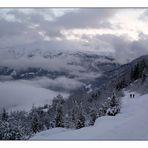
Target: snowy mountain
{"points": [[41, 60], [28, 63]]}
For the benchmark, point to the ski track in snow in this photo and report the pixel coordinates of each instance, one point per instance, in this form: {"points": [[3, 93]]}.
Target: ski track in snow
{"points": [[130, 124]]}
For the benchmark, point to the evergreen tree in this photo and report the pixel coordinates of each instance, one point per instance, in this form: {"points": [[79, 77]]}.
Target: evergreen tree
{"points": [[59, 117], [46, 120], [72, 119], [144, 74], [20, 122], [137, 71], [113, 101], [114, 106], [121, 84], [93, 117], [35, 124], [80, 122], [4, 115], [9, 131]]}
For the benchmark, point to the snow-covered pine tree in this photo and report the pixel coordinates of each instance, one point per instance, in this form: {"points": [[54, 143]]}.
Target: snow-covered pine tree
{"points": [[46, 120], [72, 119], [11, 130], [114, 106], [80, 121], [59, 119], [4, 115], [79, 117], [57, 107], [36, 123], [113, 101], [103, 109], [93, 117]]}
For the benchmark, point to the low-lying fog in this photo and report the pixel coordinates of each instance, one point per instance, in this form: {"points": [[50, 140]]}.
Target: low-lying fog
{"points": [[23, 94]]}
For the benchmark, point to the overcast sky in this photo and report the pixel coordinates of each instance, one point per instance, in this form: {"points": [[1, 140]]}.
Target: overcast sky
{"points": [[117, 31]]}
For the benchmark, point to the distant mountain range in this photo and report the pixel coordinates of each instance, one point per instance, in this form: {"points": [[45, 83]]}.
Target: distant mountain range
{"points": [[24, 63], [41, 60]]}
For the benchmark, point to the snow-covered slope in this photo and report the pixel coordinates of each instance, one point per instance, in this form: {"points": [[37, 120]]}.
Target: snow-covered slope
{"points": [[130, 124]]}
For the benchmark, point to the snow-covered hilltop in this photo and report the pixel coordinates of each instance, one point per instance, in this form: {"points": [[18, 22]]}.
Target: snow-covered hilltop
{"points": [[130, 124]]}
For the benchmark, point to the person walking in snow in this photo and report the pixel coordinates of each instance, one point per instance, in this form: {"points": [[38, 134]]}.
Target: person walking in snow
{"points": [[130, 95], [133, 95]]}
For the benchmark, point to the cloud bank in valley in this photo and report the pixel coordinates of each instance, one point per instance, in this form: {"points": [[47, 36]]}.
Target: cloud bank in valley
{"points": [[61, 83], [18, 95]]}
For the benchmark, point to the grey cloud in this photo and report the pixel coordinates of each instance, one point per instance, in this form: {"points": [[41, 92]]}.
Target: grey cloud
{"points": [[33, 15], [124, 50], [15, 33], [58, 83], [29, 22], [88, 18], [144, 16], [21, 32], [10, 28]]}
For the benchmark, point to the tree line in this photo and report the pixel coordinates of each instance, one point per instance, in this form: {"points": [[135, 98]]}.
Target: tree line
{"points": [[21, 125]]}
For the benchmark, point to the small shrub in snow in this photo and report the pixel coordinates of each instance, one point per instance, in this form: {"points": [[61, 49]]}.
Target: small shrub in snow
{"points": [[112, 111]]}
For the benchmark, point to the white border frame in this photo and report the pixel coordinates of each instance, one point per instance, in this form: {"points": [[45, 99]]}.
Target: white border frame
{"points": [[74, 3]]}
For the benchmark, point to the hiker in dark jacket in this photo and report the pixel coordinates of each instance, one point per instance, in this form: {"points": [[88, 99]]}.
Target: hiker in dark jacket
{"points": [[133, 95]]}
